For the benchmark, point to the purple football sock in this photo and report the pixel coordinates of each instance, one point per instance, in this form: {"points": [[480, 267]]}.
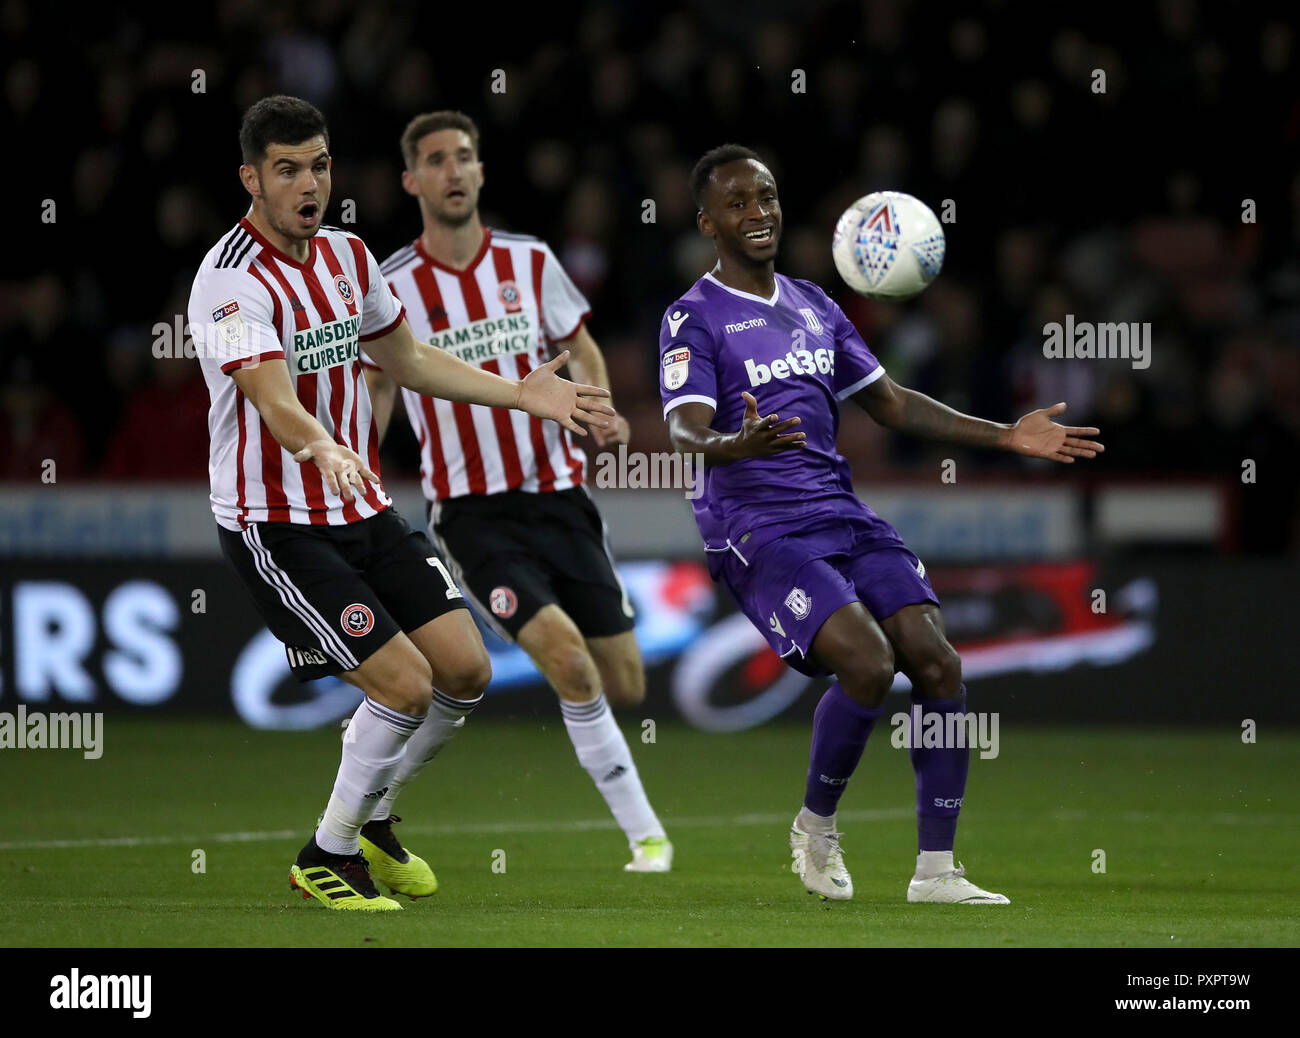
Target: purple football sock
{"points": [[940, 777], [840, 730]]}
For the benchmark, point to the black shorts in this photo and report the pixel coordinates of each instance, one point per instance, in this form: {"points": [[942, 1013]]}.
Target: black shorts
{"points": [[335, 594], [514, 552]]}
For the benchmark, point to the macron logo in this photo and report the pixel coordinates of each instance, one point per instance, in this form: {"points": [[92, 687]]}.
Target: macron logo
{"points": [[796, 362], [675, 322], [744, 326]]}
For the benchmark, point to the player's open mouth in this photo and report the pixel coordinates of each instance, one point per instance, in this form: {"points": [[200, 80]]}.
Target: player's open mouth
{"points": [[309, 212], [762, 237], [456, 192]]}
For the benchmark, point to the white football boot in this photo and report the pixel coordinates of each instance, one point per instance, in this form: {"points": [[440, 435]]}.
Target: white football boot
{"points": [[653, 854], [952, 888], [819, 862]]}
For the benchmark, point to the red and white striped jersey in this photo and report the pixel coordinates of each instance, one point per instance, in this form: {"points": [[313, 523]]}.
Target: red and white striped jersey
{"points": [[251, 303], [502, 313]]}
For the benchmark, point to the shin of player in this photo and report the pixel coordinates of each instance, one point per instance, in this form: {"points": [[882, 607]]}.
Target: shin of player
{"points": [[851, 644]]}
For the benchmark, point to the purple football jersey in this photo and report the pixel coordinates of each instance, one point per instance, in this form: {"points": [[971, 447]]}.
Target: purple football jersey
{"points": [[798, 355]]}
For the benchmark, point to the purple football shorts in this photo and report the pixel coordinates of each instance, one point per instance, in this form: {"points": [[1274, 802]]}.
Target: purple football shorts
{"points": [[792, 585]]}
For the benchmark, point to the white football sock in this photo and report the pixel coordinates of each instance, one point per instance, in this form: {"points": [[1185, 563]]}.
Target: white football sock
{"points": [[446, 716], [809, 822], [372, 749], [933, 863], [603, 751]]}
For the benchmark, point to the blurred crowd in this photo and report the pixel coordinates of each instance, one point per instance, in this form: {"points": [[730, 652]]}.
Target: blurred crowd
{"points": [[1173, 197]]}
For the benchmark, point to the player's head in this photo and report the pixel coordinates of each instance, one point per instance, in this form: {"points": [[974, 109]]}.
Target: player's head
{"points": [[443, 169], [735, 195], [286, 149]]}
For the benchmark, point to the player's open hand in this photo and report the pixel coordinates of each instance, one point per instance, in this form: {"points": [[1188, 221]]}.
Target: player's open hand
{"points": [[618, 432], [1040, 437], [761, 437], [545, 394], [341, 468]]}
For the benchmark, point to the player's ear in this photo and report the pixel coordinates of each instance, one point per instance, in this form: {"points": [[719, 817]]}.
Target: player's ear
{"points": [[703, 222], [251, 181], [408, 183]]}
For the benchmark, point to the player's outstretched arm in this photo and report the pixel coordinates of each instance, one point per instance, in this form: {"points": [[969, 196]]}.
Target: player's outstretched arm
{"points": [[270, 389], [434, 372], [757, 437], [1035, 435]]}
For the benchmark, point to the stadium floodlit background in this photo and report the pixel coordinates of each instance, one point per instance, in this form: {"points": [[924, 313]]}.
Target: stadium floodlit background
{"points": [[1170, 197]]}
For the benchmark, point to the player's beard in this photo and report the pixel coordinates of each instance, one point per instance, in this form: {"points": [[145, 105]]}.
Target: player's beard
{"points": [[289, 227], [294, 233], [454, 220]]}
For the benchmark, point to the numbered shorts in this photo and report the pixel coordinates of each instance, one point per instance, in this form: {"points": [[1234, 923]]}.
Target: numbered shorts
{"points": [[514, 552], [335, 594], [792, 585]]}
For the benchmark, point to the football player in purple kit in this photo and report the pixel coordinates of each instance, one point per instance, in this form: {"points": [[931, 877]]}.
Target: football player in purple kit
{"points": [[831, 584]]}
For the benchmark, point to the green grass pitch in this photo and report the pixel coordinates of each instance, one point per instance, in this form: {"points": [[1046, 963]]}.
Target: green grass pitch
{"points": [[1201, 836]]}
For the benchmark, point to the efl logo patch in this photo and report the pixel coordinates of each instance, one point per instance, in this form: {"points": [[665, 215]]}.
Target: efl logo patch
{"points": [[798, 602], [677, 363], [508, 293], [357, 620], [504, 602], [229, 322], [343, 287]]}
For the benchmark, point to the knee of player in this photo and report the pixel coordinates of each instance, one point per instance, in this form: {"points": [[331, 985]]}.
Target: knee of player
{"points": [[939, 672], [406, 684], [572, 672], [869, 680], [469, 680], [410, 693]]}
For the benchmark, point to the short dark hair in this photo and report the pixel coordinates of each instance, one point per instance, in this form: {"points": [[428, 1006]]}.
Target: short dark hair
{"points": [[431, 122], [710, 161], [279, 119]]}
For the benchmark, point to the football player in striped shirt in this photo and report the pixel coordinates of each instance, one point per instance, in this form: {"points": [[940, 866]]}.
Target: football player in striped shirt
{"points": [[279, 310], [507, 504]]}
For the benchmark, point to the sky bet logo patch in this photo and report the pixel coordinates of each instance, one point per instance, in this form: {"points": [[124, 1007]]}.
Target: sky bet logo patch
{"points": [[676, 364], [228, 322]]}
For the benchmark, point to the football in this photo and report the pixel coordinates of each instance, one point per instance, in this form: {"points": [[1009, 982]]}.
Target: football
{"points": [[888, 245]]}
